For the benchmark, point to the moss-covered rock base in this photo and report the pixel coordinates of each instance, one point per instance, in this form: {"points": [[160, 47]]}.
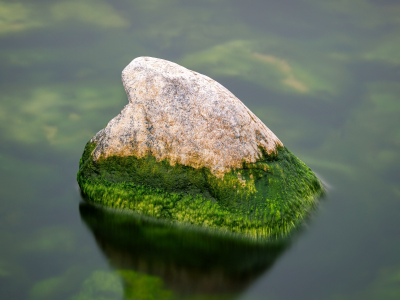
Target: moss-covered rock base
{"points": [[267, 199]]}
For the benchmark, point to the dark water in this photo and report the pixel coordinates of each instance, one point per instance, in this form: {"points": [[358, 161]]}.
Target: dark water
{"points": [[324, 76]]}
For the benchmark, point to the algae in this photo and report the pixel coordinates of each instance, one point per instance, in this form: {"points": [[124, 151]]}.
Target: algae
{"points": [[96, 12], [101, 285], [267, 199], [51, 239], [122, 284], [269, 62], [15, 17], [63, 108], [385, 285]]}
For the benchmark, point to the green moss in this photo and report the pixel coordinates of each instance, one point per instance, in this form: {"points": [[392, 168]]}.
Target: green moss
{"points": [[265, 199]]}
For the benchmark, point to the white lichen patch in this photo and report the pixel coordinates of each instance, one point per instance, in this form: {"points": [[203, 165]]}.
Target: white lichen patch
{"points": [[183, 116]]}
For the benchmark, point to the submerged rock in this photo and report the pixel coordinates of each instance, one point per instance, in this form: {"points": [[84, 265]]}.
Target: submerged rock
{"points": [[177, 255], [186, 149]]}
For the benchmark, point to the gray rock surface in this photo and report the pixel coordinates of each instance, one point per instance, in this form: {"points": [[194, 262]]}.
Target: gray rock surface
{"points": [[183, 116]]}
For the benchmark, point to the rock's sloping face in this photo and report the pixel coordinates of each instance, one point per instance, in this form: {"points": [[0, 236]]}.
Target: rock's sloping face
{"points": [[184, 117]]}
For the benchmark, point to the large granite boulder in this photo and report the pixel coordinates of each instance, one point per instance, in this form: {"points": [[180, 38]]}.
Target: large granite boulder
{"points": [[185, 149]]}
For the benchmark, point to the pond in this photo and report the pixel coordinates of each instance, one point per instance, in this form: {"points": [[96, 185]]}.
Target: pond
{"points": [[324, 76]]}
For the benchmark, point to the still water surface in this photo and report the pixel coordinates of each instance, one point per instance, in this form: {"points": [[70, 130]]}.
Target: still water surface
{"points": [[324, 76]]}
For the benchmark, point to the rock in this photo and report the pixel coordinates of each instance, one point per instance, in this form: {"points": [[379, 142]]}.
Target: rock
{"points": [[185, 117], [186, 149]]}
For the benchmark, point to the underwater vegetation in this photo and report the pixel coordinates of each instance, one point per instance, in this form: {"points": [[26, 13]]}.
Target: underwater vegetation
{"points": [[141, 249]]}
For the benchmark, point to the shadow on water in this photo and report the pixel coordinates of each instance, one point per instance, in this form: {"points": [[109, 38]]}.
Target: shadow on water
{"points": [[189, 263]]}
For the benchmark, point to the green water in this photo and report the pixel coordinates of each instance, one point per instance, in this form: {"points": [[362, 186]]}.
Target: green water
{"points": [[324, 76]]}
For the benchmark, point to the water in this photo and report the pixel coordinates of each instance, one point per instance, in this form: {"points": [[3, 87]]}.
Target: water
{"points": [[324, 76]]}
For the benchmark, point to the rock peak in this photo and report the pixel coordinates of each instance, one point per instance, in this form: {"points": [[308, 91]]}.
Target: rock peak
{"points": [[185, 117]]}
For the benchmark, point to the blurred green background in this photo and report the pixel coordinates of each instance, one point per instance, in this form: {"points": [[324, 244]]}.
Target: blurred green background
{"points": [[324, 76]]}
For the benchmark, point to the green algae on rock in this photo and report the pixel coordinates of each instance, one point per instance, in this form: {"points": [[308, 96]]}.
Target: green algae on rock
{"points": [[187, 150]]}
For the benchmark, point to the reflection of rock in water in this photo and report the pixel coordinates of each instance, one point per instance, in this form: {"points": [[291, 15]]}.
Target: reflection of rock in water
{"points": [[188, 261]]}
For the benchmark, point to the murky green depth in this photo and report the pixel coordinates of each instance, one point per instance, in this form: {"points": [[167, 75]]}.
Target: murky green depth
{"points": [[324, 76]]}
